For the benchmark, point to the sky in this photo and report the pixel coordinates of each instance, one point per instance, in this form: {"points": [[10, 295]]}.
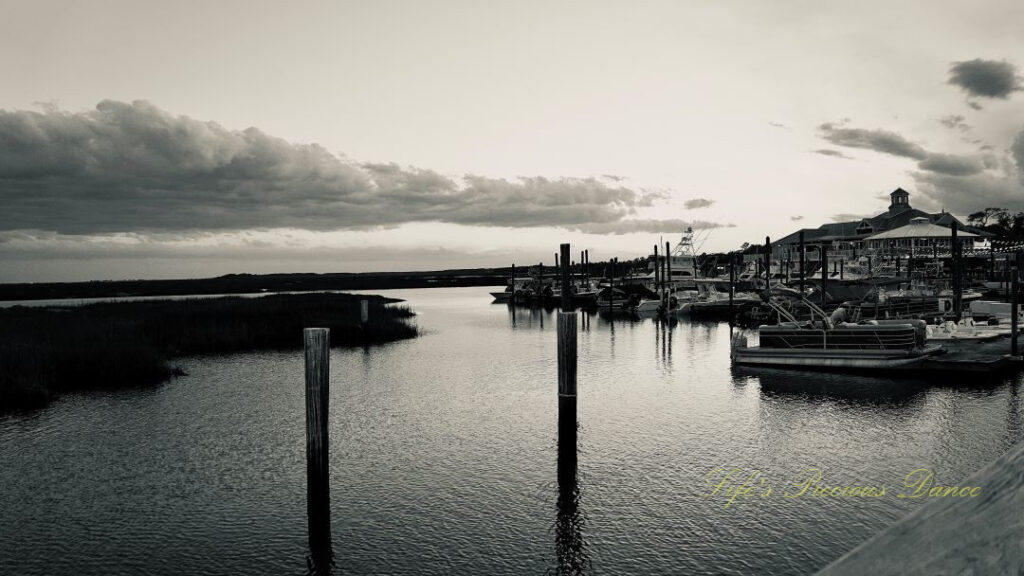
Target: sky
{"points": [[192, 139]]}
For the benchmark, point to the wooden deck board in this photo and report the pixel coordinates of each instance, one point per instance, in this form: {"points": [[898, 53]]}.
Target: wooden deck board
{"points": [[982, 535]]}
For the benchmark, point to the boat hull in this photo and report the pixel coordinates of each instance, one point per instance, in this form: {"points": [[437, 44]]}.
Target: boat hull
{"points": [[817, 359]]}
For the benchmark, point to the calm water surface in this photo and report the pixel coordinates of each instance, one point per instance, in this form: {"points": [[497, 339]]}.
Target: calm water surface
{"points": [[444, 453]]}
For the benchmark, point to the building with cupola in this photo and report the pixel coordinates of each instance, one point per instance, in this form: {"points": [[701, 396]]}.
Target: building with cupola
{"points": [[902, 229]]}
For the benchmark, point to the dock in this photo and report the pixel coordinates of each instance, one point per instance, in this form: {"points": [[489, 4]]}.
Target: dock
{"points": [[980, 535], [977, 357]]}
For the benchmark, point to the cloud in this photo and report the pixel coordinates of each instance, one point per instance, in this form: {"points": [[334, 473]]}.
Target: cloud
{"points": [[1001, 183], [847, 217], [882, 141], [895, 144], [134, 167], [796, 218], [955, 122], [987, 78], [832, 153], [974, 105], [778, 125], [649, 226], [952, 164], [694, 203]]}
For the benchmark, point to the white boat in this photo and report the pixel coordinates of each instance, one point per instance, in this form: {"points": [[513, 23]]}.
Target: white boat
{"points": [[682, 264], [514, 285]]}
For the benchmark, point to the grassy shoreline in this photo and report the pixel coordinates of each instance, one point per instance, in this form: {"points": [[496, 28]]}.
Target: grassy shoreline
{"points": [[48, 351]]}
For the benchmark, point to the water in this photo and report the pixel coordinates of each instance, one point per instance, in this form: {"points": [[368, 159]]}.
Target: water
{"points": [[444, 452]]}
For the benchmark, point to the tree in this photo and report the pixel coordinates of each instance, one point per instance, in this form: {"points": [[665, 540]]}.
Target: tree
{"points": [[981, 218]]}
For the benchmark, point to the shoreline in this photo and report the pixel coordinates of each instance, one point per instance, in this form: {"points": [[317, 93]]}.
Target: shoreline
{"points": [[49, 351]]}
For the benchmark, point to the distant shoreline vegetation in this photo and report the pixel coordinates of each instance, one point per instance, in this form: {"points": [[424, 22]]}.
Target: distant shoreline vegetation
{"points": [[47, 351]]}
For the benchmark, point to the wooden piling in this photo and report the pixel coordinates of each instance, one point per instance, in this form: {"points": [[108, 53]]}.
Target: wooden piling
{"points": [[611, 285], [317, 344], [732, 289], [957, 288], [512, 283], [566, 291], [767, 262], [823, 251], [1014, 285], [802, 269], [657, 272], [841, 265], [567, 354], [668, 275], [364, 312]]}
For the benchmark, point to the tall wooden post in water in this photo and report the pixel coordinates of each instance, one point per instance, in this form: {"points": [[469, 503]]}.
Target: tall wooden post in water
{"points": [[566, 340], [957, 288], [767, 262], [568, 539], [1014, 285], [668, 275], [732, 289], [657, 272], [802, 269], [317, 343], [823, 251]]}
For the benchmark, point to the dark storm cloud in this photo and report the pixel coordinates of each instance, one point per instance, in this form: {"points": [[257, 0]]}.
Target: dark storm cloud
{"points": [[695, 203], [649, 226], [988, 78], [126, 167], [832, 153], [878, 140], [1000, 184]]}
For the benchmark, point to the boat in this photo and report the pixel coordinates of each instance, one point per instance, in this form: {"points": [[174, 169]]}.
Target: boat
{"points": [[826, 345], [682, 267], [514, 285], [712, 302]]}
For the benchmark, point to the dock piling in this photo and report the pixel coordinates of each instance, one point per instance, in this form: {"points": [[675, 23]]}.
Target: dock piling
{"points": [[957, 288], [802, 269], [364, 312], [668, 275], [317, 344], [1014, 286], [823, 251]]}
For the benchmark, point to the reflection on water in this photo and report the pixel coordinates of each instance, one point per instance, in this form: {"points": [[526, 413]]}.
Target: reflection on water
{"points": [[570, 547], [444, 455]]}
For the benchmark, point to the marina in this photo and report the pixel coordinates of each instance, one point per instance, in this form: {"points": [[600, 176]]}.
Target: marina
{"points": [[444, 459], [511, 288]]}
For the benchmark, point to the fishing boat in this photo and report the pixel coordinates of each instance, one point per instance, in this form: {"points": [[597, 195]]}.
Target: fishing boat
{"points": [[712, 302], [823, 344], [514, 285], [681, 266]]}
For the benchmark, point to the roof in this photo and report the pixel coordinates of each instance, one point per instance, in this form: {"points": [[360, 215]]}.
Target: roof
{"points": [[895, 217], [920, 228]]}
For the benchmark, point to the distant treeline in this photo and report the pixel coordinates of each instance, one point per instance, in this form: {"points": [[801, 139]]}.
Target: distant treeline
{"points": [[251, 283], [47, 351]]}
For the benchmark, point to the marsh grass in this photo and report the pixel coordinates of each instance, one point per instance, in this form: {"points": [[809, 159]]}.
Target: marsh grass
{"points": [[45, 352]]}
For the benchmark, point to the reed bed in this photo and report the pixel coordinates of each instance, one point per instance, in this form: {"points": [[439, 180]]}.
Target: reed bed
{"points": [[45, 352]]}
